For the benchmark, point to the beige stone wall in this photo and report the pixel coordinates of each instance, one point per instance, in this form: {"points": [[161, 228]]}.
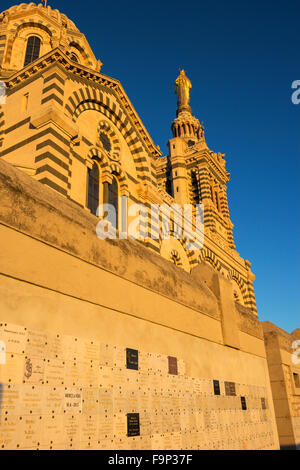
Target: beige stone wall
{"points": [[286, 395], [83, 301]]}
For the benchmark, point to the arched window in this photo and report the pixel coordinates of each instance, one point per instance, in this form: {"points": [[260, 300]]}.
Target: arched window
{"points": [[32, 49], [93, 188], [74, 57], [113, 196]]}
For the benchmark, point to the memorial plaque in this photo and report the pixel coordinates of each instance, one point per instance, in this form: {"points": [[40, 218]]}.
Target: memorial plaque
{"points": [[176, 441], [54, 347], [73, 348], [144, 361], [13, 369], [90, 374], [90, 401], [106, 376], [216, 387], [119, 377], [54, 372], [72, 400], [14, 337], [30, 432], [181, 367], [143, 400], [167, 440], [230, 388], [91, 351], [106, 427], [52, 430], [133, 424], [71, 428], [132, 359], [106, 355], [132, 401], [119, 425], [119, 356], [73, 374], [106, 401], [120, 401], [132, 379], [243, 403], [145, 424], [36, 344], [53, 399], [9, 400], [154, 381], [156, 422], [34, 368], [173, 368], [9, 427], [143, 380], [31, 399], [157, 442], [88, 428]]}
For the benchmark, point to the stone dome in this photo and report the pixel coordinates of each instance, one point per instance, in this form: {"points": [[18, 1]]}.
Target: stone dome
{"points": [[55, 15]]}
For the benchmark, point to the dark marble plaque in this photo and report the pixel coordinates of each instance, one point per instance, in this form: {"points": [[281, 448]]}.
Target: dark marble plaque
{"points": [[230, 388], [243, 403], [263, 404], [132, 359], [173, 368], [133, 424], [216, 387]]}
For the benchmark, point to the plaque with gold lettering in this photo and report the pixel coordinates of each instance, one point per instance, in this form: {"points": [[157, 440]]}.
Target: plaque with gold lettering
{"points": [[90, 401], [53, 400], [52, 430], [243, 403], [133, 424], [216, 385], [31, 399], [106, 355], [132, 359], [30, 432], [9, 426]]}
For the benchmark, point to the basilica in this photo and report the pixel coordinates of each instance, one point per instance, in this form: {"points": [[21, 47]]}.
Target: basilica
{"points": [[146, 343]]}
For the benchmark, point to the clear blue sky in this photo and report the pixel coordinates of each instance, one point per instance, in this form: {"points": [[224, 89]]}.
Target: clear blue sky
{"points": [[241, 57]]}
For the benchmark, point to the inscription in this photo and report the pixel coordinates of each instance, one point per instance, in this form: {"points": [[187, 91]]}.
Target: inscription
{"points": [[216, 387], [132, 359], [133, 424]]}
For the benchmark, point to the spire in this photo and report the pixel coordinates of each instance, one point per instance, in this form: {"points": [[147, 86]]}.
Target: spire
{"points": [[185, 125]]}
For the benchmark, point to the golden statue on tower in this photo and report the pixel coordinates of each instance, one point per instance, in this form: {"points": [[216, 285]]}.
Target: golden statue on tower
{"points": [[182, 89]]}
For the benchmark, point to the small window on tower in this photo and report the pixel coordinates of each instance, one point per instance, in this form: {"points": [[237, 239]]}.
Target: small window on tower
{"points": [[32, 49]]}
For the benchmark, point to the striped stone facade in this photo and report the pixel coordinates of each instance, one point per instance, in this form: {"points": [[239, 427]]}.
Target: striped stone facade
{"points": [[56, 109]]}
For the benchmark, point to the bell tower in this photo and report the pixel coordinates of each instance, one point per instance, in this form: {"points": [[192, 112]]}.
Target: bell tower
{"points": [[196, 173]]}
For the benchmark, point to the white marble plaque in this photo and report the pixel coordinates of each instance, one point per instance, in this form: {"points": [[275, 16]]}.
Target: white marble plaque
{"points": [[14, 337], [72, 400]]}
